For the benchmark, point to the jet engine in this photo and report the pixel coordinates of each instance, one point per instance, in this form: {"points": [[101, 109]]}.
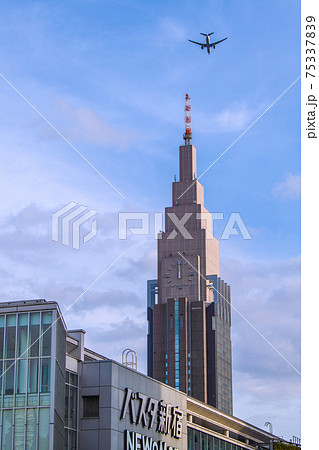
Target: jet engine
{"points": [[202, 47]]}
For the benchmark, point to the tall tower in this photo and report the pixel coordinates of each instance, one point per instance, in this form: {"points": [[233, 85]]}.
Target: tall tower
{"points": [[189, 314]]}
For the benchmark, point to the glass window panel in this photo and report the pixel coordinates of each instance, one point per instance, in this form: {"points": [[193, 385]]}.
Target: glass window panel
{"points": [[203, 441], [35, 319], [23, 320], [222, 445], [46, 339], [44, 416], [190, 435], [21, 382], [72, 408], [11, 336], [72, 440], [9, 378], [7, 429], [19, 429], [22, 335], [8, 401], [91, 406], [1, 367], [34, 334], [196, 446], [46, 333], [1, 335], [73, 379], [33, 376], [20, 400], [47, 317], [21, 376], [216, 443], [45, 375], [31, 429], [66, 434], [32, 399], [44, 399], [11, 320], [210, 443], [66, 408]]}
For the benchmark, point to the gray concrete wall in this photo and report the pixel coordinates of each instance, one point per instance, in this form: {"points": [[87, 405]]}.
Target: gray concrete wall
{"points": [[109, 380]]}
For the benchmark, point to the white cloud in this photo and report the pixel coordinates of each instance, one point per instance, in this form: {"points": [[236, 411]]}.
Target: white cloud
{"points": [[33, 266], [290, 188], [172, 30], [234, 117], [85, 125], [267, 294]]}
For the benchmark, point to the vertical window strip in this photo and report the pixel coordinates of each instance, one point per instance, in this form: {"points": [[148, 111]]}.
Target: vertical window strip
{"points": [[189, 347], [189, 372], [71, 401], [176, 345], [166, 369]]}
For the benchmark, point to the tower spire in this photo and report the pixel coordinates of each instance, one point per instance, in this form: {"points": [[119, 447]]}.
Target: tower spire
{"points": [[188, 131]]}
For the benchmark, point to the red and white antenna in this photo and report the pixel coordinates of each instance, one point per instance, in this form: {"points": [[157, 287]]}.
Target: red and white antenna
{"points": [[188, 130]]}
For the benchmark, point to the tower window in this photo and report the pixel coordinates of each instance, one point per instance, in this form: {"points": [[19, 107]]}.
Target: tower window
{"points": [[90, 406]]}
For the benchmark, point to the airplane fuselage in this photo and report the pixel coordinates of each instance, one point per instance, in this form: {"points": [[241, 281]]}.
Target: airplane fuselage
{"points": [[208, 44]]}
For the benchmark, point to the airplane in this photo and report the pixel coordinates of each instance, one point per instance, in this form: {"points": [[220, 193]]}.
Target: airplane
{"points": [[208, 44]]}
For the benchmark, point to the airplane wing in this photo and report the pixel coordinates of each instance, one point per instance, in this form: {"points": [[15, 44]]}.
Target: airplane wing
{"points": [[215, 43], [199, 43]]}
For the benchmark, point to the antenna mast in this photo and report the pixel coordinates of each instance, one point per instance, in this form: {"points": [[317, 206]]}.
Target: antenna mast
{"points": [[188, 131]]}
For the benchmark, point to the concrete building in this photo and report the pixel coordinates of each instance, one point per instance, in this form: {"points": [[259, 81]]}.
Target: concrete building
{"points": [[57, 394], [189, 314]]}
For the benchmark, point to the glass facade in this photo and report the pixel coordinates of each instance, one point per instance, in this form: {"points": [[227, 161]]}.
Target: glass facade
{"points": [[219, 348], [25, 382], [197, 440], [32, 370]]}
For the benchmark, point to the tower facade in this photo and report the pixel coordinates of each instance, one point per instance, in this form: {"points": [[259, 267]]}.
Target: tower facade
{"points": [[189, 314]]}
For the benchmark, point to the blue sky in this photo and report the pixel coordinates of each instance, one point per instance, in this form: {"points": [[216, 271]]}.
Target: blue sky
{"points": [[111, 76]]}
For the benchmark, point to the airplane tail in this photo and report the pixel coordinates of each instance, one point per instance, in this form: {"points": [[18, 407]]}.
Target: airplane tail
{"points": [[205, 34]]}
